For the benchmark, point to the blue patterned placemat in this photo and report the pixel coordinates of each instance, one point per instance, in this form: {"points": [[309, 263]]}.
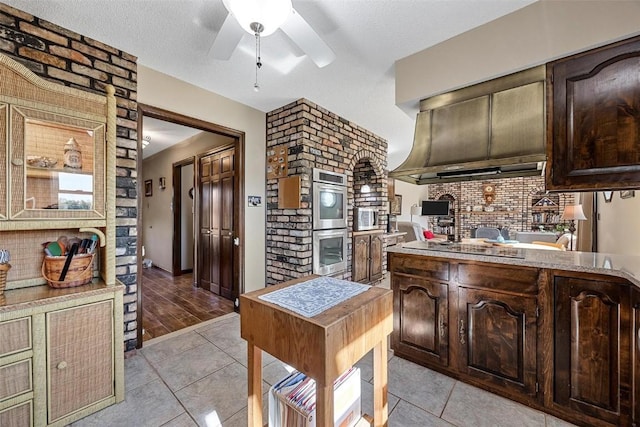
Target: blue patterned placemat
{"points": [[314, 296]]}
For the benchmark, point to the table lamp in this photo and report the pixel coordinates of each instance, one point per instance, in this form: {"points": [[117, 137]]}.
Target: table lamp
{"points": [[573, 213], [415, 210]]}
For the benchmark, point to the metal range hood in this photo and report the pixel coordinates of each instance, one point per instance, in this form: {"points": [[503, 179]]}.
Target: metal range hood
{"points": [[494, 129]]}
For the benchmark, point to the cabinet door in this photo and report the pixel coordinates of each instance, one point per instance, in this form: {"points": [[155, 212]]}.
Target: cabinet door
{"points": [[360, 262], [635, 353], [375, 257], [80, 358], [595, 119], [421, 319], [45, 183], [589, 348], [497, 338]]}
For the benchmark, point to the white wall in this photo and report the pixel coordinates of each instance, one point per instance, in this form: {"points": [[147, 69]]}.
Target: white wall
{"points": [[163, 91], [533, 35], [619, 225], [411, 195]]}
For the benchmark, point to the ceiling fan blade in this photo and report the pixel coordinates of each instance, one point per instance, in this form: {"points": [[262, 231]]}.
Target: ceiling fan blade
{"points": [[301, 33], [227, 39]]}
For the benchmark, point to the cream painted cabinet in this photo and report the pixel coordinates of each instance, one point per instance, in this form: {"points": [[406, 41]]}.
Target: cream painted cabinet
{"points": [[58, 148], [61, 355]]}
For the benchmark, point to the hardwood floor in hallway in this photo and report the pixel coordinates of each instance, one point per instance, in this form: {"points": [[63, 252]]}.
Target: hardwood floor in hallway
{"points": [[173, 303]]}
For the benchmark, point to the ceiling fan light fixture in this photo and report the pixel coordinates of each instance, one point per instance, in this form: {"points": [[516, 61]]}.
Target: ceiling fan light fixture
{"points": [[271, 14]]}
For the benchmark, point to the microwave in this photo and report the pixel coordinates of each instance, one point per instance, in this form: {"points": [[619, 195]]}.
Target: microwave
{"points": [[365, 219]]}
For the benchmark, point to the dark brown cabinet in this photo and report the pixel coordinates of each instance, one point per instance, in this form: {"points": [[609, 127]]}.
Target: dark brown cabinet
{"points": [[564, 342], [592, 369], [422, 330], [367, 257], [497, 337], [594, 119], [635, 353]]}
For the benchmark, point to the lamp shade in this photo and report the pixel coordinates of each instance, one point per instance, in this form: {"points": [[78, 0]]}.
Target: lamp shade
{"points": [[416, 210], [365, 189], [573, 212], [270, 13]]}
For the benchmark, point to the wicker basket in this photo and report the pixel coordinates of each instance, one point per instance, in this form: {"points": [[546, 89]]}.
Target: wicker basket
{"points": [[4, 270], [80, 270]]}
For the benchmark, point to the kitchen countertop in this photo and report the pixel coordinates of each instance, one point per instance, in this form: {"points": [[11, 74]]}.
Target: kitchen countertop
{"points": [[625, 266], [394, 234]]}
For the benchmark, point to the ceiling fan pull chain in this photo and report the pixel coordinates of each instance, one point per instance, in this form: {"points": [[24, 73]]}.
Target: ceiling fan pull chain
{"points": [[256, 86]]}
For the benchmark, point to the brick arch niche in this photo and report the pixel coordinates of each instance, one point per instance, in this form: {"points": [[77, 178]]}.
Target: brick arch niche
{"points": [[364, 173]]}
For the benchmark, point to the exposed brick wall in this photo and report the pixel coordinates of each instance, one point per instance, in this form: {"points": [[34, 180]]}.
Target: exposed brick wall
{"points": [[57, 54], [511, 207], [318, 138]]}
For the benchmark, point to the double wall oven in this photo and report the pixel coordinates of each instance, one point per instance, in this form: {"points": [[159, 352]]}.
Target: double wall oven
{"points": [[329, 222]]}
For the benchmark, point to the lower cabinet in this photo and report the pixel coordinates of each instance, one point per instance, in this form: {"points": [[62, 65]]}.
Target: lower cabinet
{"points": [[421, 331], [80, 358], [61, 356], [20, 415], [497, 338], [564, 342], [592, 369], [366, 264], [635, 353]]}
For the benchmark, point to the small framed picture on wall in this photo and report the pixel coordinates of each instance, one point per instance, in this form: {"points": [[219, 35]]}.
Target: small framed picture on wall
{"points": [[148, 188], [396, 205]]}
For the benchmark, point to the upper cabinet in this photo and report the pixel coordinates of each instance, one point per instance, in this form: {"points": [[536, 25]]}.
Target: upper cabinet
{"points": [[56, 151], [594, 119]]}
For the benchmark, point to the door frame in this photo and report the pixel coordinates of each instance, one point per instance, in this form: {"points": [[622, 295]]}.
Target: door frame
{"points": [[177, 213], [145, 110]]}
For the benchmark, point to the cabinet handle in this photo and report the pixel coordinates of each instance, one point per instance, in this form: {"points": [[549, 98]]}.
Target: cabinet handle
{"points": [[62, 365], [17, 162], [443, 326], [461, 332]]}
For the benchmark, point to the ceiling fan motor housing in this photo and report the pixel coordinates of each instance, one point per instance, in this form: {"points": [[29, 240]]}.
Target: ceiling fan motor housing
{"points": [[269, 14]]}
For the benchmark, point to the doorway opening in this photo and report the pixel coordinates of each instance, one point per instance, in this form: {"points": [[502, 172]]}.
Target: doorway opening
{"points": [[187, 209]]}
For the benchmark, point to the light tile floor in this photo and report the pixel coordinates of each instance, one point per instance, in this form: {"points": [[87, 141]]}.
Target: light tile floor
{"points": [[198, 376]]}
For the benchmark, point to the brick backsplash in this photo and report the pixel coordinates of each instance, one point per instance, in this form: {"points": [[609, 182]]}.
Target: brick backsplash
{"points": [[318, 138], [511, 206], [63, 56]]}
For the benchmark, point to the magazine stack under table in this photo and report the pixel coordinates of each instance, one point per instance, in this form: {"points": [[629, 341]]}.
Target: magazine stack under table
{"points": [[292, 400]]}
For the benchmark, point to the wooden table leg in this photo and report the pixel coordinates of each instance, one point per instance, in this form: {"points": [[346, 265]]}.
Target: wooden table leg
{"points": [[254, 402], [324, 404], [380, 405]]}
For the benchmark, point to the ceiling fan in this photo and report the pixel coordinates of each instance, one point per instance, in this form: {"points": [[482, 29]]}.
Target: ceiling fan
{"points": [[262, 18]]}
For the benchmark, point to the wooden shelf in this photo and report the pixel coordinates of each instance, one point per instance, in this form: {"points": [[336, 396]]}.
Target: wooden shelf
{"points": [[487, 212], [48, 173]]}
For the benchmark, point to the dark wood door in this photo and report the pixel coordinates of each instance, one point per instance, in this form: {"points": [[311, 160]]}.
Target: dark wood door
{"points": [[421, 318], [591, 347], [375, 256], [594, 123], [635, 354], [497, 339], [360, 260], [216, 246]]}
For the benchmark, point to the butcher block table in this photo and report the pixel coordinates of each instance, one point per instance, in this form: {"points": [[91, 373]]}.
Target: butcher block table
{"points": [[322, 346]]}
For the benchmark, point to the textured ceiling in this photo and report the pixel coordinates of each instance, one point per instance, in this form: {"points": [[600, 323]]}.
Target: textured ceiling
{"points": [[368, 36]]}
